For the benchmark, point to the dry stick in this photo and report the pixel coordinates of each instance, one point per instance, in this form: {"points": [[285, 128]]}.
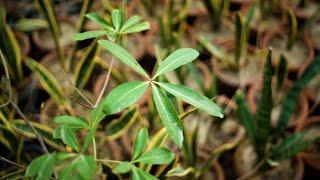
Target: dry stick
{"points": [[78, 91], [11, 162], [44, 147], [10, 101], [105, 83]]}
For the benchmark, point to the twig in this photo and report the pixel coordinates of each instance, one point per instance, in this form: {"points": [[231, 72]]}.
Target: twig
{"points": [[105, 83], [44, 147], [77, 90], [82, 104], [10, 101], [11, 162]]}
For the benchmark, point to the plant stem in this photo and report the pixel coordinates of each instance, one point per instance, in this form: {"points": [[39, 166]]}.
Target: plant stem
{"points": [[108, 161], [11, 162], [42, 144], [105, 83], [94, 147]]}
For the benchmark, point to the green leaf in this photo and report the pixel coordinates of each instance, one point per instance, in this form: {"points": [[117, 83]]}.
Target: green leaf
{"points": [[291, 101], [122, 167], [88, 35], [133, 20], [123, 96], [85, 67], [23, 129], [292, 26], [47, 80], [10, 48], [240, 37], [192, 97], [87, 140], [46, 7], [116, 19], [64, 155], [99, 20], [245, 116], [66, 173], [168, 115], [215, 50], [86, 166], [123, 55], [290, 146], [138, 174], [41, 166], [31, 24], [156, 156], [97, 115], [140, 143], [281, 71], [118, 127], [176, 59], [67, 135], [73, 122], [137, 28], [265, 104]]}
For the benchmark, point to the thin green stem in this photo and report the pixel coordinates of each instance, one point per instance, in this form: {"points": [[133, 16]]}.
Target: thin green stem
{"points": [[108, 161], [94, 146]]}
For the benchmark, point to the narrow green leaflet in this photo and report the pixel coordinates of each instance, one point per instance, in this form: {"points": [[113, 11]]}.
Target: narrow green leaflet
{"points": [[10, 48], [140, 143], [116, 19], [138, 174], [67, 135], [215, 50], [289, 147], [89, 35], [123, 55], [291, 100], [31, 24], [41, 166], [156, 156], [176, 59], [194, 98], [137, 28], [47, 80], [118, 127], [168, 115], [87, 140], [123, 96], [281, 72], [66, 173], [245, 116], [264, 108], [97, 115], [99, 20], [86, 166], [46, 7], [71, 121], [85, 66], [122, 167], [130, 22]]}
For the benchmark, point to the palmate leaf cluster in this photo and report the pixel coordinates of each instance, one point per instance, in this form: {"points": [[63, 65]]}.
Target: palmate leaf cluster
{"points": [[83, 166], [111, 29]]}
